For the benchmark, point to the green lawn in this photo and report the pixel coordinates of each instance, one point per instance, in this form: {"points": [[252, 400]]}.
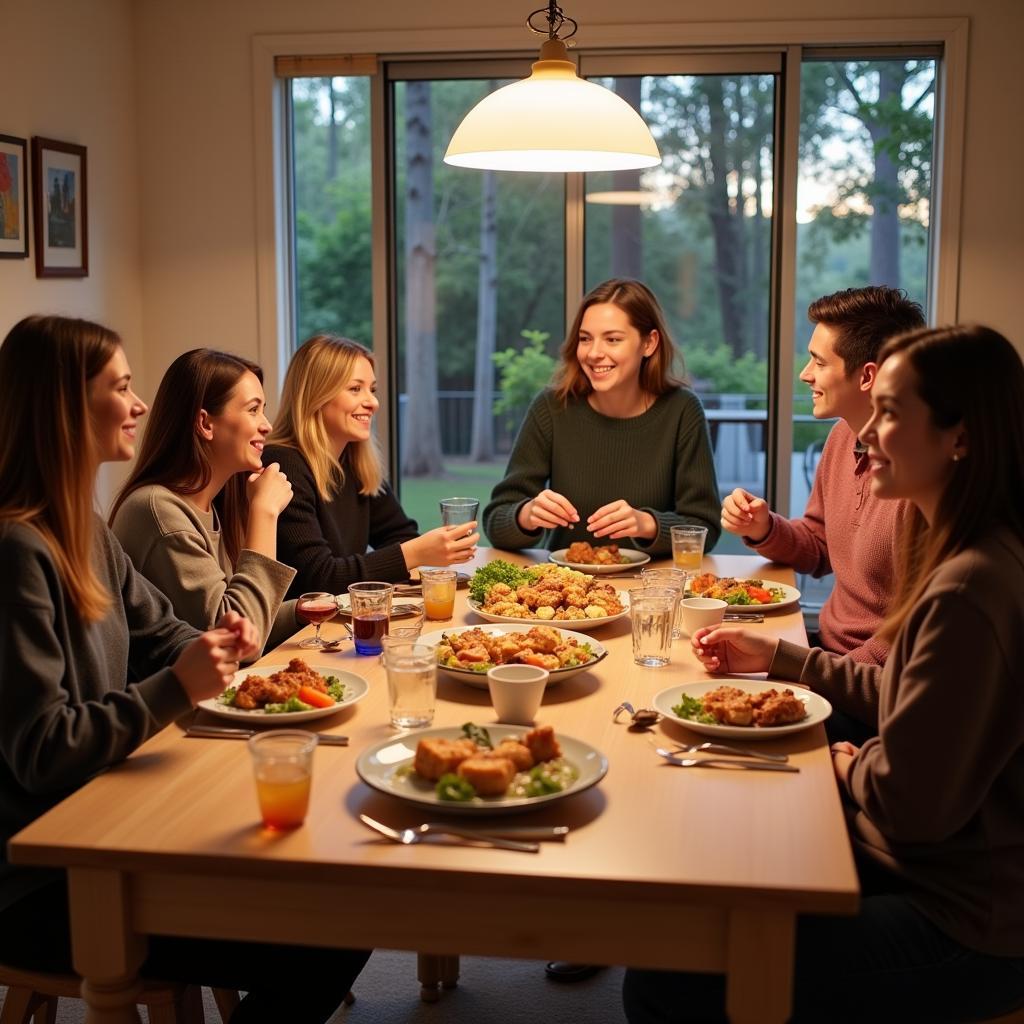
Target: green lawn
{"points": [[461, 479]]}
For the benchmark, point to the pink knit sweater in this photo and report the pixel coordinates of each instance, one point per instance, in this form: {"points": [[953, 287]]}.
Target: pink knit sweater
{"points": [[845, 529]]}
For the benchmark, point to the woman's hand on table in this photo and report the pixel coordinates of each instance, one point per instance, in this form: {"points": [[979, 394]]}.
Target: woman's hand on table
{"points": [[619, 519], [208, 664], [842, 757], [549, 509], [445, 545], [732, 649]]}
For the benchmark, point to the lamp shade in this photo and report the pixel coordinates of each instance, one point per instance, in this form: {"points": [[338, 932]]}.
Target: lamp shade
{"points": [[553, 121]]}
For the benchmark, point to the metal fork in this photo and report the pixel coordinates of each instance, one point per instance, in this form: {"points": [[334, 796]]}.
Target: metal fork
{"points": [[724, 748], [408, 836], [724, 762]]}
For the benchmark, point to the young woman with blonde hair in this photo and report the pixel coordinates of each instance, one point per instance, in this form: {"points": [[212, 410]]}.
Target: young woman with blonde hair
{"points": [[618, 447], [198, 515], [342, 505], [93, 661], [935, 801]]}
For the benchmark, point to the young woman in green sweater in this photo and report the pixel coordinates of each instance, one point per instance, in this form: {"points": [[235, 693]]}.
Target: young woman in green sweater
{"points": [[935, 801], [618, 448], [93, 661]]}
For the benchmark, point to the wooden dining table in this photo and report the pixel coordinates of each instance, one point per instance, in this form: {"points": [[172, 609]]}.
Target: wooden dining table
{"points": [[701, 869]]}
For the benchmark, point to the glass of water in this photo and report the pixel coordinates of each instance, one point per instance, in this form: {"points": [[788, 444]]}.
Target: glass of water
{"points": [[652, 612], [412, 682], [671, 579]]}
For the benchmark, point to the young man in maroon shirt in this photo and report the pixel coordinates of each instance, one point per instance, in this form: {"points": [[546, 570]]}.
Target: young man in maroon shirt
{"points": [[844, 529]]}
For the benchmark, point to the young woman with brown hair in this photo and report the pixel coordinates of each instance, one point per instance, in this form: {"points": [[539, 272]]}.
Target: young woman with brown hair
{"points": [[936, 799], [198, 515], [616, 424], [93, 661]]}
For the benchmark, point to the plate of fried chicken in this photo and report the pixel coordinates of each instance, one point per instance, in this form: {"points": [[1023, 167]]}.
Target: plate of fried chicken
{"points": [[281, 695], [742, 708]]}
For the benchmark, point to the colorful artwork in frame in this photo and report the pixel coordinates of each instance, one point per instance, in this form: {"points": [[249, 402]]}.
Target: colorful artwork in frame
{"points": [[59, 204], [13, 198]]}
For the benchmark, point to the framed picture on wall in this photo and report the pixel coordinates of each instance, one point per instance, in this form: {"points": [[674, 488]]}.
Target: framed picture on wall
{"points": [[13, 198], [59, 202]]}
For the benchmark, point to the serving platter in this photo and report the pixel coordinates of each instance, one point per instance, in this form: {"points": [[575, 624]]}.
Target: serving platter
{"points": [[634, 559]]}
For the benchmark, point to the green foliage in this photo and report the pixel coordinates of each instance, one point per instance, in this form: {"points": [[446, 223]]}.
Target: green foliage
{"points": [[523, 373], [715, 368]]}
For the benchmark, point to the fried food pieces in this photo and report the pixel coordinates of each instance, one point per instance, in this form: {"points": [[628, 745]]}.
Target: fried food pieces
{"points": [[585, 554], [732, 706], [555, 593], [478, 650], [258, 691], [734, 591]]}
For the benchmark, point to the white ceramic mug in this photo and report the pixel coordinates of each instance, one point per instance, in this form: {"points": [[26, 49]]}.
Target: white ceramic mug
{"points": [[516, 692], [699, 612]]}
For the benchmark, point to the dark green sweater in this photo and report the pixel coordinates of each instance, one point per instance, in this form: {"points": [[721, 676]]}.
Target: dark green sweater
{"points": [[659, 462], [68, 707]]}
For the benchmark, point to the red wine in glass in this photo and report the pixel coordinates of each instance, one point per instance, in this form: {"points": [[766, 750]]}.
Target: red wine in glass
{"points": [[316, 609], [368, 630]]}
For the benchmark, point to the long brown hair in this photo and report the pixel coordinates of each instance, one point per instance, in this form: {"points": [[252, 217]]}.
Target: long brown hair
{"points": [[321, 367], [968, 376], [174, 454], [48, 450], [638, 302]]}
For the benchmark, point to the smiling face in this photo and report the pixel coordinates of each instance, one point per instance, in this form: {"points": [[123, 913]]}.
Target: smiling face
{"points": [[235, 435], [610, 349], [910, 456], [833, 391], [348, 416], [114, 409]]}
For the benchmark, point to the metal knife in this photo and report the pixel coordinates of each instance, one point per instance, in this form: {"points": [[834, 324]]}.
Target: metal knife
{"points": [[216, 732]]}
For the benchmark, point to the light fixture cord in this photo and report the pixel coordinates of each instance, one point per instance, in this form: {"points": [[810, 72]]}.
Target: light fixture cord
{"points": [[556, 20]]}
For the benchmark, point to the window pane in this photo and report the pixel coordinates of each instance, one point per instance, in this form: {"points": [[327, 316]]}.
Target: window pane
{"points": [[864, 196], [331, 167], [480, 271], [697, 230]]}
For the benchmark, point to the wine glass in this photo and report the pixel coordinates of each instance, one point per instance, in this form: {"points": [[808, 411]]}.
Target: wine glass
{"points": [[317, 608]]}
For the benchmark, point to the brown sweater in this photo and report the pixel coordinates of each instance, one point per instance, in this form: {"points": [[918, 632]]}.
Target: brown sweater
{"points": [[938, 795]]}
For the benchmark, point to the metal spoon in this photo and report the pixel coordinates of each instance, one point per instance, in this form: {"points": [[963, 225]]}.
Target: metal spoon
{"points": [[330, 646], [724, 762], [408, 836], [640, 719]]}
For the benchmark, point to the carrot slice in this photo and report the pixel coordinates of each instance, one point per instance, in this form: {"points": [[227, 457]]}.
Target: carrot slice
{"points": [[315, 698]]}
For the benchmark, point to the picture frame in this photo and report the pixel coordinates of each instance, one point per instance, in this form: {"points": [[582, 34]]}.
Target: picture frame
{"points": [[60, 208], [13, 198]]}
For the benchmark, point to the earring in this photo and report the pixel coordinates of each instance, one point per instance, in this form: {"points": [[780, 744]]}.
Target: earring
{"points": [[956, 456]]}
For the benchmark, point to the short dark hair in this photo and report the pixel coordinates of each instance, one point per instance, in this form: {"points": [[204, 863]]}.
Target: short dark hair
{"points": [[863, 319]]}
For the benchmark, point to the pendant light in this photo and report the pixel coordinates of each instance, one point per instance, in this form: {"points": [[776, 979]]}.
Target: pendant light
{"points": [[554, 120]]}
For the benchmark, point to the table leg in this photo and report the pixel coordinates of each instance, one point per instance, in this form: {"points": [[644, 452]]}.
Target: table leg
{"points": [[759, 978], [107, 953]]}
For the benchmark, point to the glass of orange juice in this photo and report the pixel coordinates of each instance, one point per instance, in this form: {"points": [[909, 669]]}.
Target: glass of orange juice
{"points": [[282, 761], [688, 547], [438, 593]]}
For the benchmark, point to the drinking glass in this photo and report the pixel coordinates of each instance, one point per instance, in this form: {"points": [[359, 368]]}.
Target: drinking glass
{"points": [[455, 511], [282, 761], [652, 612], [317, 607], [371, 612], [438, 593], [412, 682], [674, 579], [688, 546]]}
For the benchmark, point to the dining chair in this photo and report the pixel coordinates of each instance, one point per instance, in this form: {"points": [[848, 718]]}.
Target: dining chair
{"points": [[32, 998], [435, 973]]}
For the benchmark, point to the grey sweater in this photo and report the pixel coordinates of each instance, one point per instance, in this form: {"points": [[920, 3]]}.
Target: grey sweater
{"points": [[659, 462], [75, 697], [180, 549], [938, 796]]}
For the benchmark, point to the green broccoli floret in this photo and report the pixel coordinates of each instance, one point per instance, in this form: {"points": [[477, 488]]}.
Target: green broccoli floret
{"points": [[498, 571]]}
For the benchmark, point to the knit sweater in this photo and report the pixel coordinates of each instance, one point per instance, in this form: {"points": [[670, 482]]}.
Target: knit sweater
{"points": [[328, 540], [179, 549], [845, 529], [659, 462], [938, 794], [75, 697]]}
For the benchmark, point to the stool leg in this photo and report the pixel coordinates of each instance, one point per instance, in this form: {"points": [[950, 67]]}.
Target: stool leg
{"points": [[449, 971], [227, 1002], [46, 1012], [19, 1005], [428, 970]]}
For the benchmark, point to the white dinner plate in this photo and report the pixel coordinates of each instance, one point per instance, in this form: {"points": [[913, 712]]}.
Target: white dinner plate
{"points": [[479, 679], [400, 608], [790, 599], [633, 558], [818, 709], [385, 767], [584, 625], [356, 688]]}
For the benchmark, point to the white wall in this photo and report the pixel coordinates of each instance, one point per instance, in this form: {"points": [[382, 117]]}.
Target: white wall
{"points": [[69, 74]]}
